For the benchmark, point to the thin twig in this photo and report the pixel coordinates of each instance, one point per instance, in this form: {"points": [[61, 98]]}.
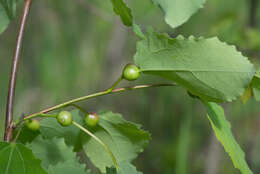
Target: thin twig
{"points": [[106, 92], [12, 82]]}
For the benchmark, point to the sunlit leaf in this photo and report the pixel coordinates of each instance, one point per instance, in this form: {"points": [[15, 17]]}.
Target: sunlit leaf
{"points": [[121, 9], [222, 129], [207, 68], [125, 139], [16, 158], [179, 11]]}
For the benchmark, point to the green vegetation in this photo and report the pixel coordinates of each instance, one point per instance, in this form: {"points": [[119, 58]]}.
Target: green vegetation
{"points": [[202, 57]]}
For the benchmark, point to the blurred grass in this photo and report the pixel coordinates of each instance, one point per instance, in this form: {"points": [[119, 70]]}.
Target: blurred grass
{"points": [[73, 48]]}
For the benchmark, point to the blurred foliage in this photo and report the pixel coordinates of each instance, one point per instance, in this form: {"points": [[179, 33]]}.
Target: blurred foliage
{"points": [[78, 47]]}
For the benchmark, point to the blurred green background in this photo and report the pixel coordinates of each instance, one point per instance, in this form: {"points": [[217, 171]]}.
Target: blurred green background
{"points": [[73, 48]]}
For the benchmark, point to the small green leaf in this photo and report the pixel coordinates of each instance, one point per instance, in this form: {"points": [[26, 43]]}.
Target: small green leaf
{"points": [[121, 9], [10, 7], [222, 129], [205, 67], [179, 11], [7, 13], [16, 158], [68, 167], [125, 140], [4, 20], [52, 151], [138, 31]]}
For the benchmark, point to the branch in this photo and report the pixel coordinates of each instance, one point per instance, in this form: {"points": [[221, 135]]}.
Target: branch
{"points": [[13, 76], [106, 92]]}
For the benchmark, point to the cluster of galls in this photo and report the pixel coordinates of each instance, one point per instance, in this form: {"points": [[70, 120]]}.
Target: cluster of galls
{"points": [[64, 118], [131, 72]]}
